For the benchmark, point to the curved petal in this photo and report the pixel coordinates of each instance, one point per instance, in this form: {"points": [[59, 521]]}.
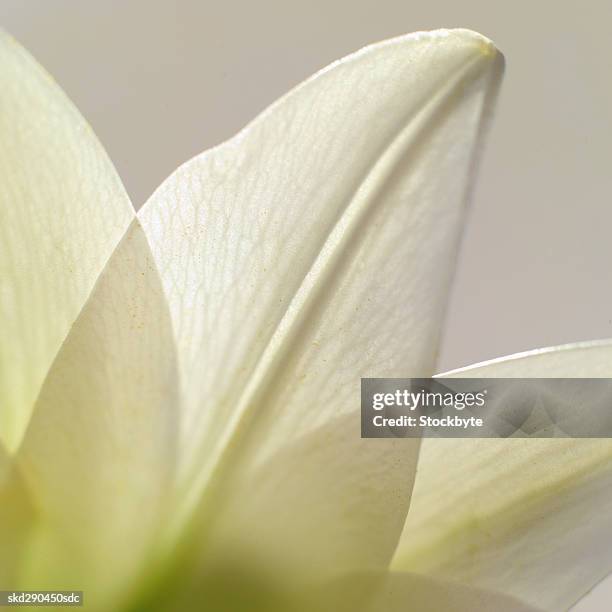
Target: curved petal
{"points": [[402, 592], [528, 517], [62, 212], [312, 249], [327, 500], [99, 452], [365, 591]]}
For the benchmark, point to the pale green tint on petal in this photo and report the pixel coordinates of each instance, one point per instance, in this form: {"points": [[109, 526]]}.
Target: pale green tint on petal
{"points": [[528, 517], [231, 589], [312, 249], [62, 212], [404, 592], [99, 453], [328, 501], [16, 520]]}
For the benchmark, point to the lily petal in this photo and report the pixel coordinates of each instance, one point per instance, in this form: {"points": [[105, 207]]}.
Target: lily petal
{"points": [[528, 517], [400, 592], [62, 212], [99, 453], [314, 248], [328, 501], [364, 591], [16, 520]]}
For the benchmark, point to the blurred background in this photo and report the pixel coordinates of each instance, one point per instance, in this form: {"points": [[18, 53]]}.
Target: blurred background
{"points": [[162, 81]]}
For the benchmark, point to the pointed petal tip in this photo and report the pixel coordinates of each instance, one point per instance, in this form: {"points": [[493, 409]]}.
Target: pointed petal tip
{"points": [[480, 42], [458, 37], [465, 40]]}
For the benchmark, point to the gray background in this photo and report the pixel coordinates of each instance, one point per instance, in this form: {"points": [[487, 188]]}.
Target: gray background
{"points": [[162, 81]]}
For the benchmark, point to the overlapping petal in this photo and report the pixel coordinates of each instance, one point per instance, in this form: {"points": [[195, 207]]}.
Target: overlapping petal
{"points": [[312, 249], [403, 592], [365, 591], [16, 520], [99, 453], [531, 518], [87, 367], [62, 212]]}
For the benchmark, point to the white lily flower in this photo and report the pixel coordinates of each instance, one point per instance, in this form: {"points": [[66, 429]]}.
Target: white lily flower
{"points": [[179, 424]]}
